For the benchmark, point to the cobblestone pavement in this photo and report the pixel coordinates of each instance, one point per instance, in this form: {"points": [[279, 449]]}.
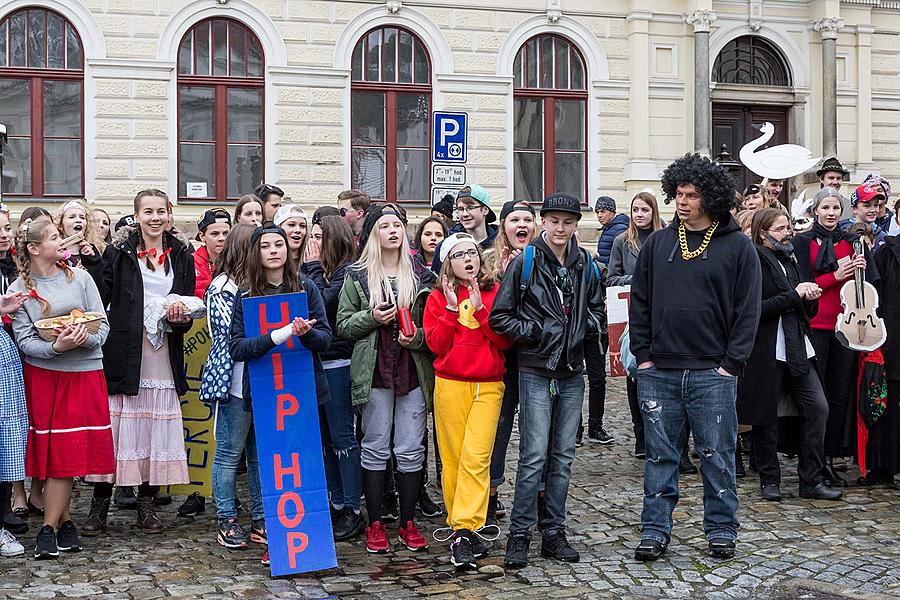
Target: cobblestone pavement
{"points": [[795, 549]]}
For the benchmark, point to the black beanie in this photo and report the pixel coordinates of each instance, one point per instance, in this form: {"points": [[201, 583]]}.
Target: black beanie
{"points": [[375, 212]]}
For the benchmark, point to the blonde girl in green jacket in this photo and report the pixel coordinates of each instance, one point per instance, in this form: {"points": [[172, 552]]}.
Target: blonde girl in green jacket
{"points": [[391, 375]]}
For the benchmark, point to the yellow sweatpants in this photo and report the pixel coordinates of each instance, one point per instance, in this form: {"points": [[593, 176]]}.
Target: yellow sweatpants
{"points": [[466, 416]]}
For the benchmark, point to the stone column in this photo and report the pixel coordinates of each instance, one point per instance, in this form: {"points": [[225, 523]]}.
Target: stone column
{"points": [[701, 20], [829, 27]]}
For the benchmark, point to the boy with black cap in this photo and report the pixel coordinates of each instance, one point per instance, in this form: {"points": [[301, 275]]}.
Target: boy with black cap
{"points": [[613, 224], [473, 207], [547, 307], [213, 228]]}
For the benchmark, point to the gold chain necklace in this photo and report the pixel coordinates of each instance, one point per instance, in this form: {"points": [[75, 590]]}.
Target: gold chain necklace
{"points": [[682, 240]]}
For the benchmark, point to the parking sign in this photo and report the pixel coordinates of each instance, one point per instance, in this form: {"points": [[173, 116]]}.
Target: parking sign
{"points": [[449, 137]]}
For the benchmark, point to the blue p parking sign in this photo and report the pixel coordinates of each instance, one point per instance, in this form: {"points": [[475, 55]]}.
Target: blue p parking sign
{"points": [[449, 137]]}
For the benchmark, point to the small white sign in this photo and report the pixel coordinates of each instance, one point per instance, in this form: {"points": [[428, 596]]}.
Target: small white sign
{"points": [[439, 192], [448, 175], [196, 189]]}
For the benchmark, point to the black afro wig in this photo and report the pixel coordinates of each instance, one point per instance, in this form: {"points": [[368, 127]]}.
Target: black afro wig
{"points": [[713, 180]]}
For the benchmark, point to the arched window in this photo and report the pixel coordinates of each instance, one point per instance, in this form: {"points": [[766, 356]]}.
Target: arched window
{"points": [[42, 104], [220, 111], [390, 112], [751, 60], [550, 99]]}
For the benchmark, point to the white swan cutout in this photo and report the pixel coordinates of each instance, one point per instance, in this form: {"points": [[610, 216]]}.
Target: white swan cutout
{"points": [[777, 162]]}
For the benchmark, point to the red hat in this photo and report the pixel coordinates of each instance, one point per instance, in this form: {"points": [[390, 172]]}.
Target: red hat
{"points": [[864, 193]]}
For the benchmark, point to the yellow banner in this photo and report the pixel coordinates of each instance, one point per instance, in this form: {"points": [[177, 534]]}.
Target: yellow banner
{"points": [[199, 433]]}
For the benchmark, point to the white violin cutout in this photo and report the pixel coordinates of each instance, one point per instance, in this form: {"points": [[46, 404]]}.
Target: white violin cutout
{"points": [[777, 162]]}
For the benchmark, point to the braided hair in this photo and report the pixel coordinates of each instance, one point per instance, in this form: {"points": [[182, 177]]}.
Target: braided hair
{"points": [[152, 262], [35, 232]]}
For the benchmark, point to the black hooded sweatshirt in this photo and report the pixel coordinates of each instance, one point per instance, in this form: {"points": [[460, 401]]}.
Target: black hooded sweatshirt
{"points": [[696, 314]]}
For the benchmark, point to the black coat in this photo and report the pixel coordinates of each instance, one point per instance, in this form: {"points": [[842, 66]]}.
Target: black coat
{"points": [[122, 290], [887, 259], [549, 342], [758, 389], [331, 292]]}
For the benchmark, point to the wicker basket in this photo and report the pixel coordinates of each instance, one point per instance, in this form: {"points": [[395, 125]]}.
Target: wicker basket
{"points": [[48, 331]]}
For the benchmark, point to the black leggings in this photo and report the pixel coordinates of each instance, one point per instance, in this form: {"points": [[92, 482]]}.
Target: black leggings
{"points": [[145, 490]]}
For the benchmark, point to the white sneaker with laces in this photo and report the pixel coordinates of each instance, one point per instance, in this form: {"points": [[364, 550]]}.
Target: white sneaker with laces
{"points": [[9, 545]]}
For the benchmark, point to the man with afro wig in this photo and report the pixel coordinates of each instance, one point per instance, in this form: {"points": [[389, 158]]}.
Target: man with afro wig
{"points": [[695, 304]]}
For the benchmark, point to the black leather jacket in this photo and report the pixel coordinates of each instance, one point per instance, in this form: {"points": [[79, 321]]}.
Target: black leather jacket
{"points": [[549, 342]]}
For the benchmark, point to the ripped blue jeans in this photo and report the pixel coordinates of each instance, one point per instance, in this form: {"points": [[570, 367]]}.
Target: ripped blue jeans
{"points": [[670, 399]]}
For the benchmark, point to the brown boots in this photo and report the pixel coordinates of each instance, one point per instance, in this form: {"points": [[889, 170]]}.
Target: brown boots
{"points": [[146, 516], [96, 521]]}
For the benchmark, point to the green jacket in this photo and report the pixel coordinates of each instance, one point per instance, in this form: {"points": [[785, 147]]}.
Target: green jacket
{"points": [[355, 322]]}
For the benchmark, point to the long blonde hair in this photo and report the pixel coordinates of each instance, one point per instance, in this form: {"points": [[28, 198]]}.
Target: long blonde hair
{"points": [[90, 233], [35, 232], [379, 284], [632, 233]]}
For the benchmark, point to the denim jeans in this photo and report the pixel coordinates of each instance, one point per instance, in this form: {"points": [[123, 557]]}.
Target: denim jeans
{"points": [[548, 423], [234, 434], [508, 408], [339, 446], [670, 400]]}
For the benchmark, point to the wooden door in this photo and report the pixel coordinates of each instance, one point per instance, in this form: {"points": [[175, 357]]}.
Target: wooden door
{"points": [[734, 125]]}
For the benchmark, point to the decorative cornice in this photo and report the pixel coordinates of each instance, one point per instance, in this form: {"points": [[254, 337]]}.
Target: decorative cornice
{"points": [[828, 27], [554, 10], [701, 19]]}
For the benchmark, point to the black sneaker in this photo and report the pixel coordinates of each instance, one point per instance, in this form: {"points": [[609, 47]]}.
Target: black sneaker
{"points": [[686, 467], [461, 554], [389, 510], [721, 548], [427, 506], [558, 547], [490, 517], [579, 436], [640, 447], [258, 532], [649, 550], [231, 534], [348, 525], [501, 508], [162, 499], [45, 546], [193, 505], [14, 524], [517, 551], [481, 546], [604, 437], [67, 538], [125, 498]]}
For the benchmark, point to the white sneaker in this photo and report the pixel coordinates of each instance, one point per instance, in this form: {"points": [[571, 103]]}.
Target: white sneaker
{"points": [[9, 545]]}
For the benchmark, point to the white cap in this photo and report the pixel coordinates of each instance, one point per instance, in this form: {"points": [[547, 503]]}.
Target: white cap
{"points": [[454, 240], [287, 211]]}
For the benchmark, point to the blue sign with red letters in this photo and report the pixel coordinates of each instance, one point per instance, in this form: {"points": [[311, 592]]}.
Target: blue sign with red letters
{"points": [[286, 420]]}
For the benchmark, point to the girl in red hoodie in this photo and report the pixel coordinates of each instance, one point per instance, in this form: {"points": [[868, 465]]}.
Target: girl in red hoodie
{"points": [[468, 388]]}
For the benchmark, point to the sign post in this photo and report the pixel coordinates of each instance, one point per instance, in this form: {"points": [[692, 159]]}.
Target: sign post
{"points": [[449, 137], [289, 445]]}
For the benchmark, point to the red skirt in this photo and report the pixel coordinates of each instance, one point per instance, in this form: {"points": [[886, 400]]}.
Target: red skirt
{"points": [[70, 434]]}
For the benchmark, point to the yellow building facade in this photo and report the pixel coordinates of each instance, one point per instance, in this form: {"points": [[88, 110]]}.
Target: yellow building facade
{"points": [[206, 98]]}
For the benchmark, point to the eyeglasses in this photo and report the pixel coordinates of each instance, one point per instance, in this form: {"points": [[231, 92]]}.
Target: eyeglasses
{"points": [[467, 209], [563, 281], [464, 253]]}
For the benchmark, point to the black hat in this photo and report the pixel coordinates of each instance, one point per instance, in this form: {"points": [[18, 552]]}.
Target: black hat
{"points": [[444, 206], [375, 212], [213, 215], [833, 164], [561, 203], [752, 189], [514, 205], [126, 221], [605, 203], [264, 229]]}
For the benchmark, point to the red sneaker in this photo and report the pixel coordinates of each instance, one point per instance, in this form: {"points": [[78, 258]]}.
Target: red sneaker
{"points": [[411, 538], [265, 558], [376, 538]]}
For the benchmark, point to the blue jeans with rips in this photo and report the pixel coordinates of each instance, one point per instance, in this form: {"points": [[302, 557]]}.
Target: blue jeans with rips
{"points": [[670, 400], [235, 434], [340, 449], [549, 414]]}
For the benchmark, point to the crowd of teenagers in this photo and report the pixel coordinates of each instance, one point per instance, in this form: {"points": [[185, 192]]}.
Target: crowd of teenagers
{"points": [[432, 343]]}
